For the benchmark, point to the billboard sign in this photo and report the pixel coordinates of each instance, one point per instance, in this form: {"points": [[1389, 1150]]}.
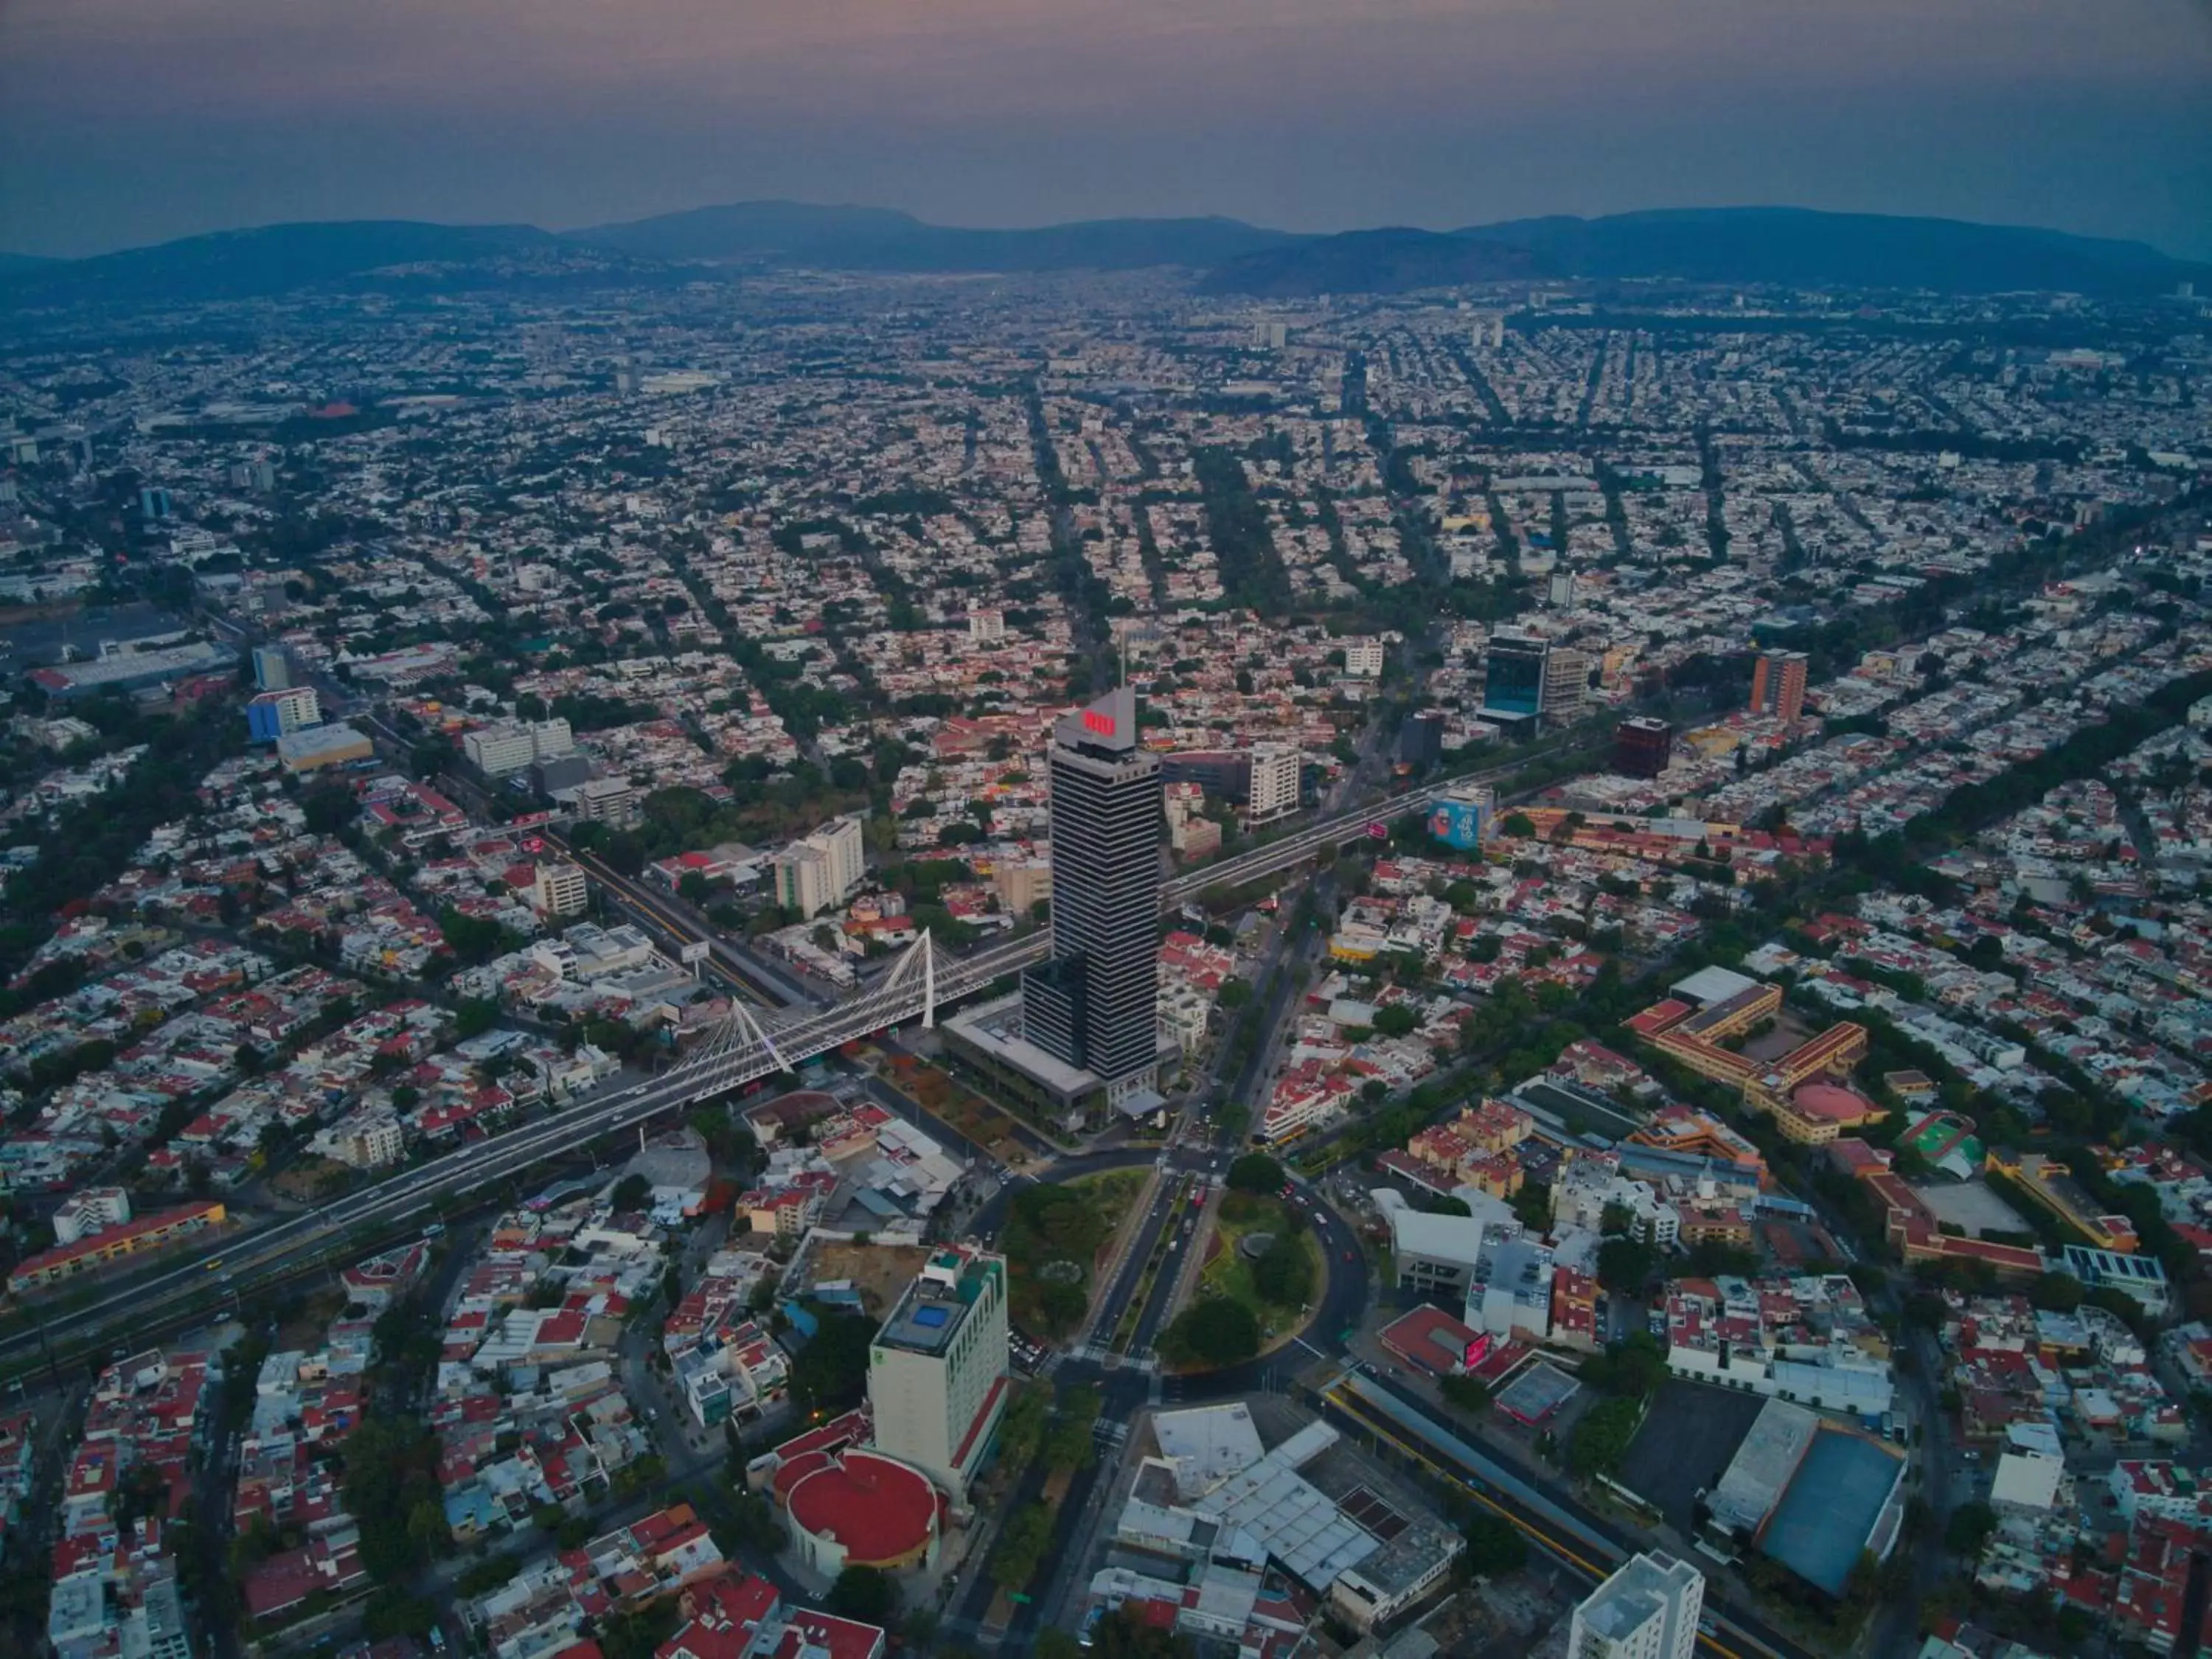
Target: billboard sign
{"points": [[1457, 823]]}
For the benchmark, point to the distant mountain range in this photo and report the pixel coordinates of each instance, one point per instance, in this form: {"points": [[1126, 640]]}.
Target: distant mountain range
{"points": [[1788, 246], [1785, 246], [1391, 261], [879, 239]]}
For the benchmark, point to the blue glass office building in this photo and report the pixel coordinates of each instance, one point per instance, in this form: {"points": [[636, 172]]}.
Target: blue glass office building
{"points": [[1513, 681]]}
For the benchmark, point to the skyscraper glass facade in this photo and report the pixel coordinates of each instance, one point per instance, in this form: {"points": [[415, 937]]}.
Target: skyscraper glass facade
{"points": [[1096, 1003]]}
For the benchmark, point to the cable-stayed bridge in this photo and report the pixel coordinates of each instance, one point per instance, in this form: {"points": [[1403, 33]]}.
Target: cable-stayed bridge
{"points": [[743, 1050]]}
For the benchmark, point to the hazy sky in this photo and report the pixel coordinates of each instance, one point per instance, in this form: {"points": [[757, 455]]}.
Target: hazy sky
{"points": [[126, 121]]}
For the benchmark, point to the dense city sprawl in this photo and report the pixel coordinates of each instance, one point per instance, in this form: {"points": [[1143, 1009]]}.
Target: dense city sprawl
{"points": [[559, 1037]]}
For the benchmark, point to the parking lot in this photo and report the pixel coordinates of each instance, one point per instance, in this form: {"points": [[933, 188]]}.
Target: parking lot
{"points": [[1686, 1444]]}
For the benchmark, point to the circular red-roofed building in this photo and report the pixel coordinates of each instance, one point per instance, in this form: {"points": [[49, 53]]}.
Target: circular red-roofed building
{"points": [[861, 1508], [1822, 1111], [790, 1471]]}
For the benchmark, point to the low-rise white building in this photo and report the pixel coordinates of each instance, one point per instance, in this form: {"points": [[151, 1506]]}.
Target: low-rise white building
{"points": [[1585, 1189], [2158, 1490], [1514, 1299], [367, 1139], [93, 1210], [1434, 1254]]}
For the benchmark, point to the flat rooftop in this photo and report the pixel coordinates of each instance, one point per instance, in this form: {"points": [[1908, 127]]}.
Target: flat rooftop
{"points": [[1621, 1614], [931, 1312], [1831, 1510], [1538, 1392], [1638, 1589], [1207, 1444], [1712, 985], [319, 741], [1761, 1470], [996, 1029]]}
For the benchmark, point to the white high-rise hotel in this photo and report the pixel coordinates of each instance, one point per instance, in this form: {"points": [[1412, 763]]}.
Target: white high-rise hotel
{"points": [[1647, 1610], [820, 872], [938, 1373], [1275, 777]]}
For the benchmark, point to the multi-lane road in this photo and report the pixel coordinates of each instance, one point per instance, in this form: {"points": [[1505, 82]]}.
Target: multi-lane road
{"points": [[742, 971], [1379, 1410], [1126, 1373], [1131, 1381], [1374, 1407], [913, 989]]}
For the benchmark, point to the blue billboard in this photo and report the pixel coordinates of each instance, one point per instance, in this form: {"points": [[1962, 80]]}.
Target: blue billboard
{"points": [[1457, 823]]}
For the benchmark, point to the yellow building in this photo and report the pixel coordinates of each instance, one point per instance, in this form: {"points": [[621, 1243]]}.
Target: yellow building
{"points": [[99, 1249], [314, 747], [1816, 1113], [1711, 741], [2050, 1183], [1356, 944], [1793, 1090]]}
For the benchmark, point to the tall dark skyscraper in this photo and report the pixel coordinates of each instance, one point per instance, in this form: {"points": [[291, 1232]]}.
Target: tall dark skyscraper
{"points": [[1095, 1004], [1642, 746]]}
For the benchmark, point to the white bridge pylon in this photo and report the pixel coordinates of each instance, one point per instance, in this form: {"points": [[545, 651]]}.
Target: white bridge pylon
{"points": [[744, 1047], [745, 1044], [916, 966]]}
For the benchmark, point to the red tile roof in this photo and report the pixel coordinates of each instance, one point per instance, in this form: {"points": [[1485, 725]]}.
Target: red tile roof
{"points": [[881, 1511]]}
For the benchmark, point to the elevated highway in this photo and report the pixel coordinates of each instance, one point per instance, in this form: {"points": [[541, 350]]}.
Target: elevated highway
{"points": [[747, 1049]]}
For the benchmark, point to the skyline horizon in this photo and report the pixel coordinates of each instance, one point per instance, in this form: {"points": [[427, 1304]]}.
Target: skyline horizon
{"points": [[1446, 225], [130, 121]]}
